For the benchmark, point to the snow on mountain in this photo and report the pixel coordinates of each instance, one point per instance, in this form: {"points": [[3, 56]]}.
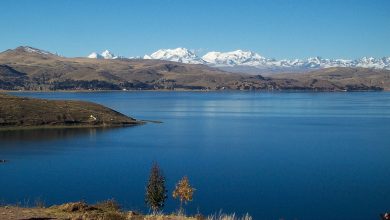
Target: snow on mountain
{"points": [[243, 60], [370, 62], [365, 62], [136, 58], [34, 50], [147, 57], [181, 55], [234, 58], [248, 58], [108, 55], [95, 55], [104, 55]]}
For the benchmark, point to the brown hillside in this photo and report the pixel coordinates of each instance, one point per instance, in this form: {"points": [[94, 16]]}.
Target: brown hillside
{"points": [[22, 69], [345, 77], [16, 112]]}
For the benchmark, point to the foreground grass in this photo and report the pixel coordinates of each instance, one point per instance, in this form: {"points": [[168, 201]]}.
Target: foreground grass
{"points": [[107, 210]]}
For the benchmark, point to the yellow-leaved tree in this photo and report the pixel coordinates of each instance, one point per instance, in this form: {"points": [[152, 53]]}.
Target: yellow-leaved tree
{"points": [[183, 191]]}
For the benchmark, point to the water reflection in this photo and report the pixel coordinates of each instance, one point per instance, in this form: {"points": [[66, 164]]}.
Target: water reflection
{"points": [[49, 134]]}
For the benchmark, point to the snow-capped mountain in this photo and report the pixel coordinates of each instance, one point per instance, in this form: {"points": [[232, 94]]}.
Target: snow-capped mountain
{"points": [[245, 60], [104, 55], [181, 55], [234, 58], [33, 50], [248, 58], [136, 58], [251, 62], [370, 62], [108, 55], [95, 55]]}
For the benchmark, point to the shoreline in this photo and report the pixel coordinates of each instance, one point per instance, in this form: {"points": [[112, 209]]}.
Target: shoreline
{"points": [[50, 127], [198, 91]]}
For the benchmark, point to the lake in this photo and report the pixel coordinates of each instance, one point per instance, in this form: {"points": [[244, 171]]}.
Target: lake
{"points": [[274, 155]]}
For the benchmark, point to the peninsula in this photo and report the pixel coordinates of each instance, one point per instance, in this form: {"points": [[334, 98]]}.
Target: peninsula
{"points": [[22, 113]]}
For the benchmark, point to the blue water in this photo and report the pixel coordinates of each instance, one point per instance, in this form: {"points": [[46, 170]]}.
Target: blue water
{"points": [[273, 155]]}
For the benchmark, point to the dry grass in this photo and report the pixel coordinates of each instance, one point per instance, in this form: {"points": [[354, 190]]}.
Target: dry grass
{"points": [[106, 210], [28, 112], [324, 78], [222, 216], [109, 205]]}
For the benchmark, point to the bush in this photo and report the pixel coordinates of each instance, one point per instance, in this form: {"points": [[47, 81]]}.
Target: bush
{"points": [[156, 192], [183, 191]]}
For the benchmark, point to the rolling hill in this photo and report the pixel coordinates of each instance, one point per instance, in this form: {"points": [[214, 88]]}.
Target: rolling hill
{"points": [[27, 68], [349, 78]]}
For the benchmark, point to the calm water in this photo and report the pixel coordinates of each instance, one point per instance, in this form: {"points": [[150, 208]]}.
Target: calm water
{"points": [[274, 155]]}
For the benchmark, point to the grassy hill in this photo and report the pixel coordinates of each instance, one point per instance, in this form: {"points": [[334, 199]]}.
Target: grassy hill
{"points": [[16, 112]]}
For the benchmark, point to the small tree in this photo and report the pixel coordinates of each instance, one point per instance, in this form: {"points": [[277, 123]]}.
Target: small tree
{"points": [[155, 191], [183, 191]]}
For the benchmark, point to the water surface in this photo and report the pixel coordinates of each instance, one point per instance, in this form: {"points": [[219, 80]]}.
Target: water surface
{"points": [[274, 155]]}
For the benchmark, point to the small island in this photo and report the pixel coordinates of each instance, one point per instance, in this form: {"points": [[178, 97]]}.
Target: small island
{"points": [[25, 113]]}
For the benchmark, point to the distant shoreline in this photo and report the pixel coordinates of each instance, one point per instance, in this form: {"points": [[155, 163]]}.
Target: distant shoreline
{"points": [[189, 90]]}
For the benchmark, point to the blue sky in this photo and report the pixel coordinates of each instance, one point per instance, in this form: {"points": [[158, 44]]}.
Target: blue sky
{"points": [[274, 28]]}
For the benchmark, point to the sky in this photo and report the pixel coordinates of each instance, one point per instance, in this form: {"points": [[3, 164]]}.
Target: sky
{"points": [[274, 28]]}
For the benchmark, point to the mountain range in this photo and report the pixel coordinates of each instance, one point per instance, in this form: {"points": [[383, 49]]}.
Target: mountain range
{"points": [[253, 63], [28, 68]]}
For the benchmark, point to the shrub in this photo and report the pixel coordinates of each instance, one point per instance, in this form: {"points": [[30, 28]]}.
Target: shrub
{"points": [[183, 191], [156, 192]]}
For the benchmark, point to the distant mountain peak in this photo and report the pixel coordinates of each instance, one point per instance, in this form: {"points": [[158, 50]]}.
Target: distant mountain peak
{"points": [[180, 54], [95, 55], [106, 54], [233, 58], [244, 59], [29, 49]]}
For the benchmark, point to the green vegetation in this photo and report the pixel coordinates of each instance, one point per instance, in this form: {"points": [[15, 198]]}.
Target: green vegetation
{"points": [[156, 194]]}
